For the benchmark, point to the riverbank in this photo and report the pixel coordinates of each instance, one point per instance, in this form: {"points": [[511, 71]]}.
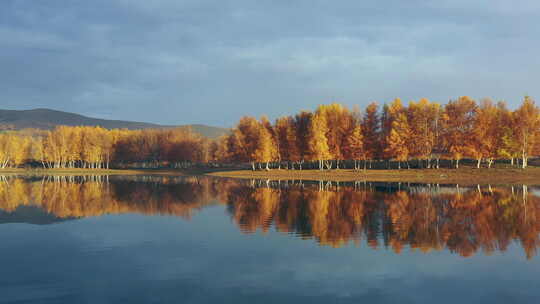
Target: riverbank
{"points": [[464, 176], [97, 172]]}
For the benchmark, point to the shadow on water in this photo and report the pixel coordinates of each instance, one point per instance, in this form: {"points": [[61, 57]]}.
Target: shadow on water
{"points": [[424, 217]]}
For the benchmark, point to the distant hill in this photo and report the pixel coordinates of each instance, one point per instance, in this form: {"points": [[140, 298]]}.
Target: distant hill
{"points": [[48, 119]]}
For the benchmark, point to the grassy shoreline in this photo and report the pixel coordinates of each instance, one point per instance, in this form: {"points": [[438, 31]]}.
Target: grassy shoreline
{"points": [[466, 176], [78, 171]]}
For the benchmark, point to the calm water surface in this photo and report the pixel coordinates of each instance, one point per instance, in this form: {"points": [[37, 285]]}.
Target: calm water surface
{"points": [[209, 240]]}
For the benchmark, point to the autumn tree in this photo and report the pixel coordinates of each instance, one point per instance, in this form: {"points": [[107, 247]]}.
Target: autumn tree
{"points": [[399, 141], [386, 126], [486, 133], [508, 145], [423, 121], [246, 134], [13, 150], [266, 147], [302, 124], [233, 146], [287, 139], [458, 123], [354, 146], [318, 143], [396, 134], [370, 129], [526, 125], [339, 123]]}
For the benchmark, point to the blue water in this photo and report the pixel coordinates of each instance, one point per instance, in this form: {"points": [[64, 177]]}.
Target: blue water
{"points": [[136, 258]]}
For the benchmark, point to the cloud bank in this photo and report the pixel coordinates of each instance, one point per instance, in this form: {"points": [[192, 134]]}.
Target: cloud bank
{"points": [[176, 62]]}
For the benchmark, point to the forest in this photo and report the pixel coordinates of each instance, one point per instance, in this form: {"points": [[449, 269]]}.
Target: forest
{"points": [[331, 137]]}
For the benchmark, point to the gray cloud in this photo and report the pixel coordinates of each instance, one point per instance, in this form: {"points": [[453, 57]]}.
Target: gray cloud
{"points": [[204, 61]]}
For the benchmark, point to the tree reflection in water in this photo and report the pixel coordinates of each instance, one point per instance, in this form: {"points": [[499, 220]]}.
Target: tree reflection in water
{"points": [[464, 220]]}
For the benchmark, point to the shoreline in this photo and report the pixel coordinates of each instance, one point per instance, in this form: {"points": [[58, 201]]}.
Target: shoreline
{"points": [[465, 176], [82, 172], [462, 176]]}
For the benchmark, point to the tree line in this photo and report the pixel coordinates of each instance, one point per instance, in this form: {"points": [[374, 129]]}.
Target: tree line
{"points": [[98, 148], [332, 136], [424, 131]]}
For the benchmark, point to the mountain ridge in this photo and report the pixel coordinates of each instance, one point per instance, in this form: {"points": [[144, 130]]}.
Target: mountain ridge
{"points": [[46, 119]]}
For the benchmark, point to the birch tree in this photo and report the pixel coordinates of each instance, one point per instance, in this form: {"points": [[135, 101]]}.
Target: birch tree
{"points": [[527, 124]]}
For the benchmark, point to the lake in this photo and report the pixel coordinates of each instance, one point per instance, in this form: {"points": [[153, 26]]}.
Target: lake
{"points": [[148, 239]]}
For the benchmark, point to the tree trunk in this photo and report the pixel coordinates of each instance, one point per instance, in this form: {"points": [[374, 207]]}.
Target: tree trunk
{"points": [[457, 163], [478, 163]]}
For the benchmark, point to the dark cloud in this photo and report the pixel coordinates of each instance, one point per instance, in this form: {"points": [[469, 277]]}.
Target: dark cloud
{"points": [[204, 61]]}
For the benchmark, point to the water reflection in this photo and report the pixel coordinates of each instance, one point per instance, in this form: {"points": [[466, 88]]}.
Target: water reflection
{"points": [[463, 220]]}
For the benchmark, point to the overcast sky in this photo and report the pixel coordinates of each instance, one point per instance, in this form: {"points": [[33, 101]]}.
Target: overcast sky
{"points": [[177, 62]]}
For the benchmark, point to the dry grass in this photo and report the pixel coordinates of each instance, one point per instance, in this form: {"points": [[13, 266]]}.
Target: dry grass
{"points": [[68, 172], [466, 176]]}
